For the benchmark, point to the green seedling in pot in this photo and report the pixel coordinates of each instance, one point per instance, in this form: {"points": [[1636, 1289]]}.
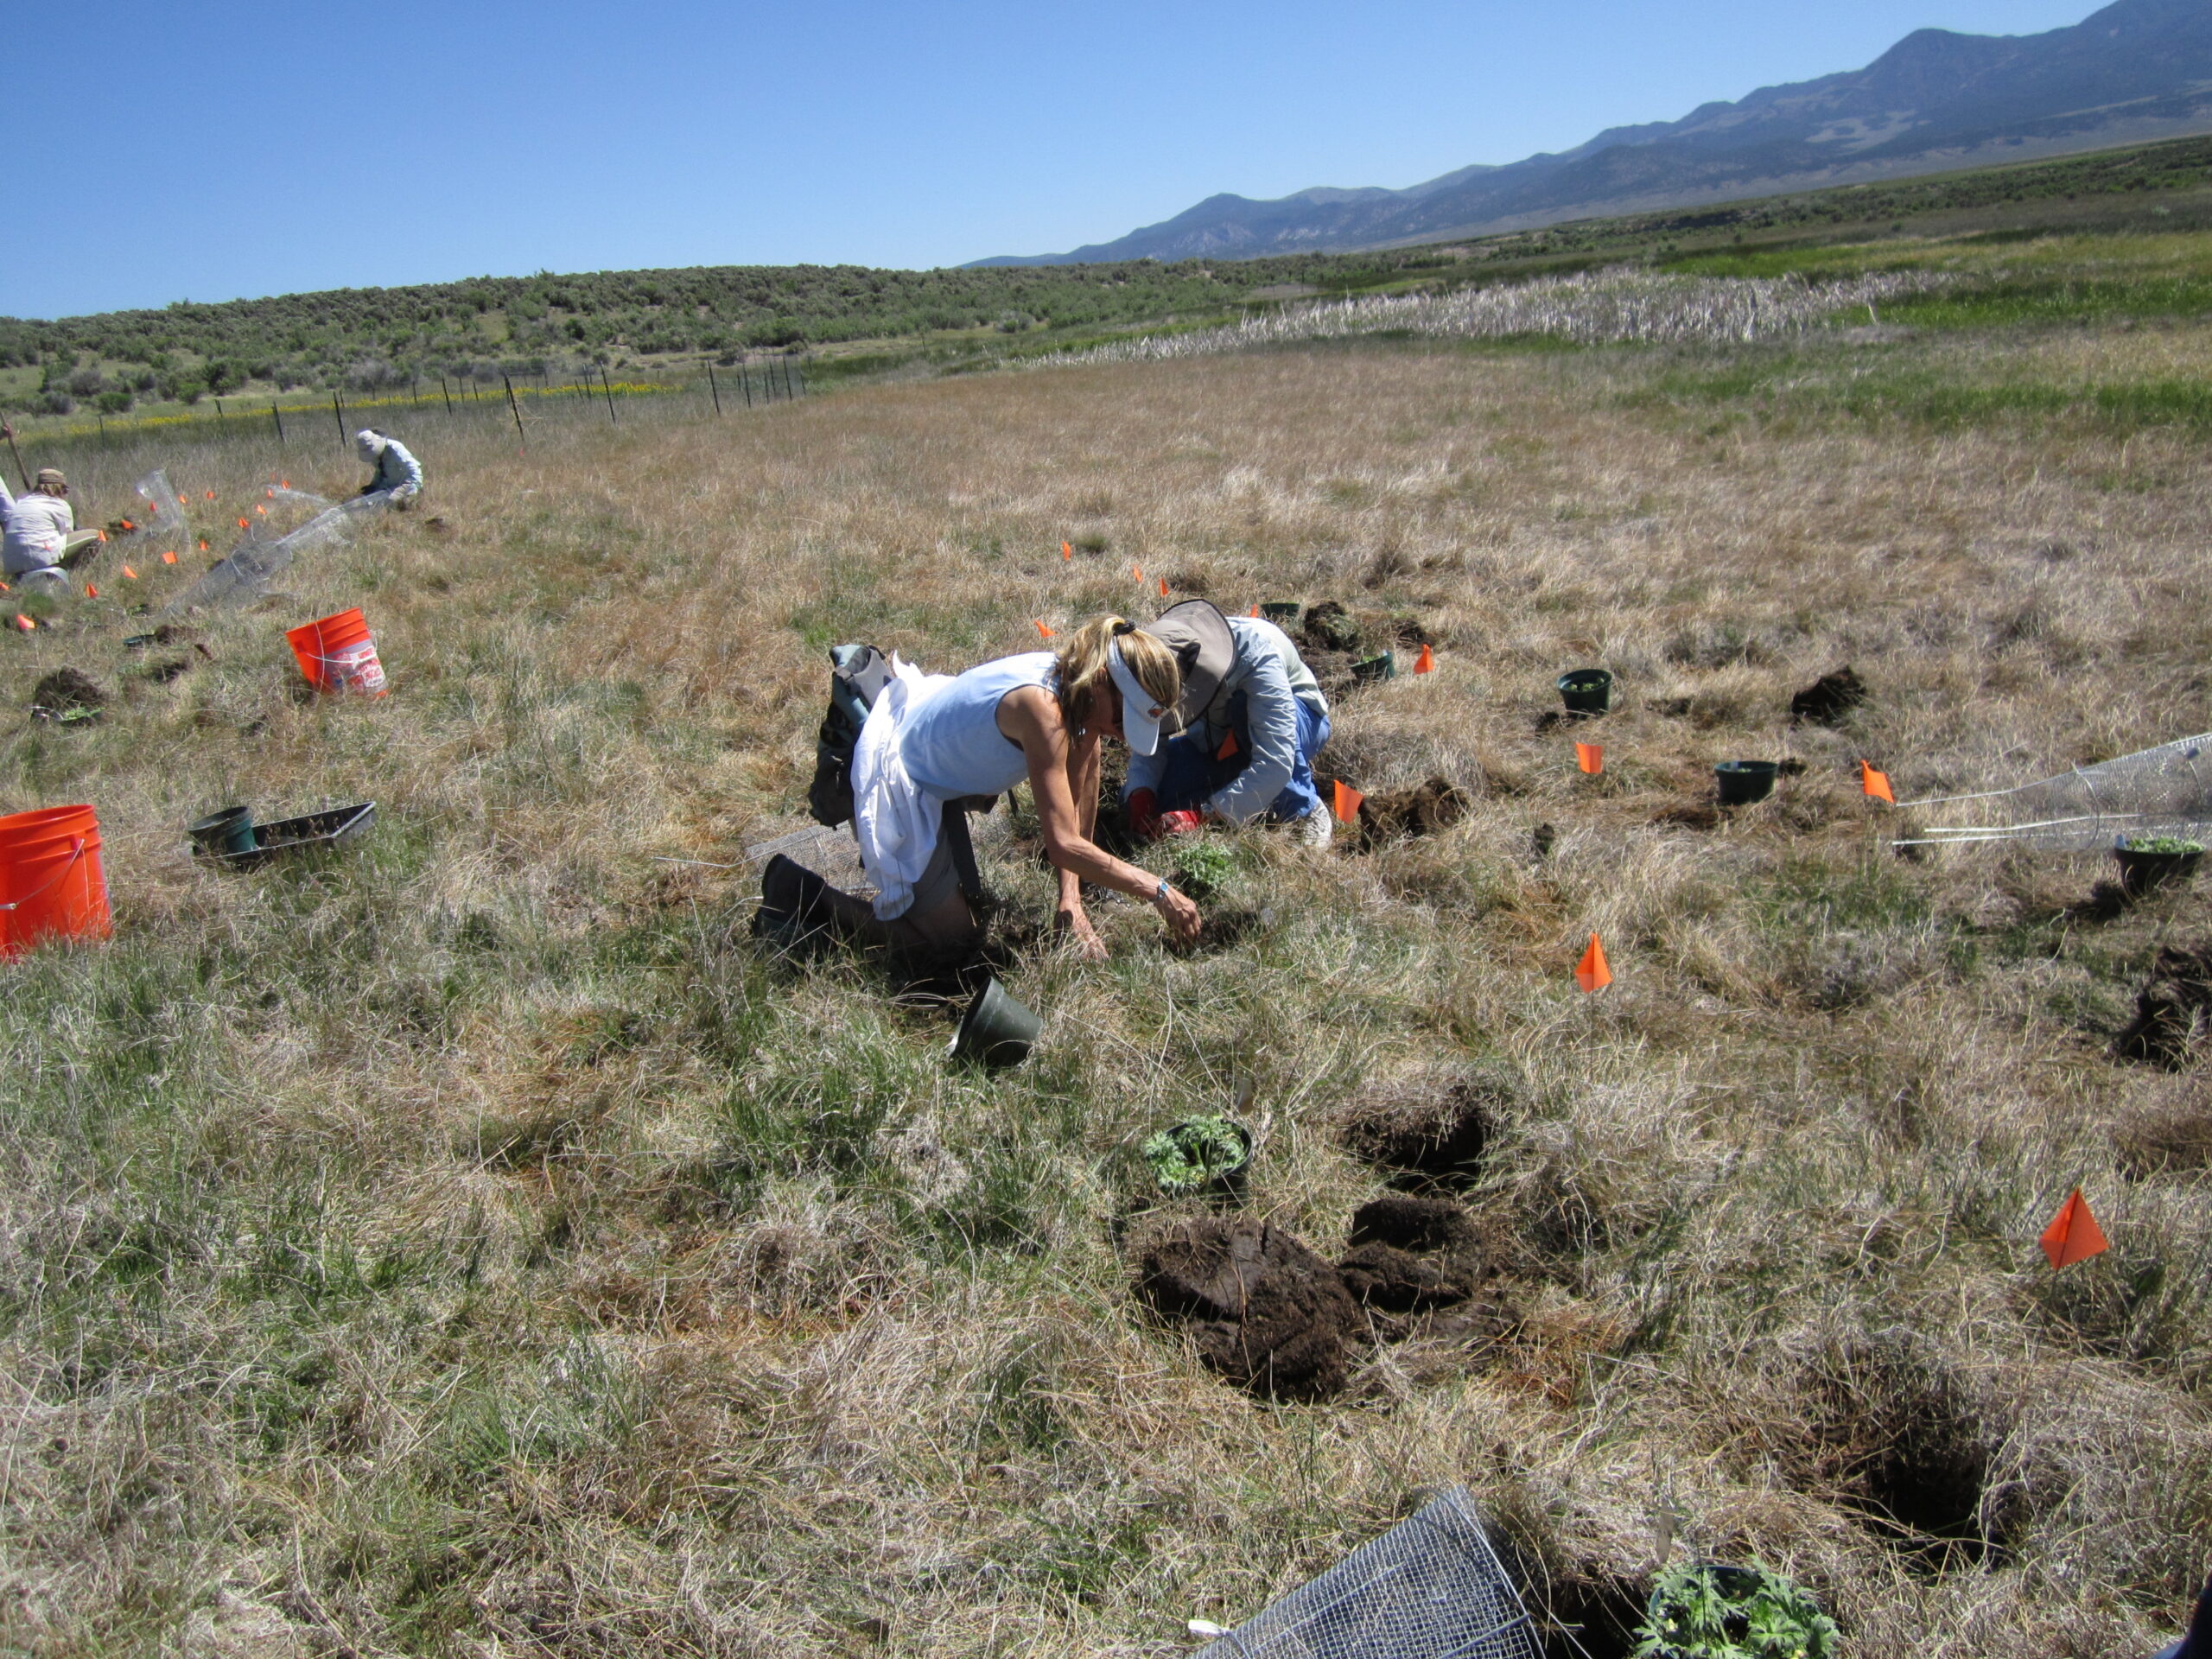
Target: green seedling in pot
{"points": [[2173, 844], [1196, 1152], [1733, 1612]]}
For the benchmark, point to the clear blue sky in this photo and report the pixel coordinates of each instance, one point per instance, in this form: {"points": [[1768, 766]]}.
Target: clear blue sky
{"points": [[204, 151]]}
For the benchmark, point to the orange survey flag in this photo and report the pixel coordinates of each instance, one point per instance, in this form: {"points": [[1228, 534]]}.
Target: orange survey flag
{"points": [[91, 592], [1426, 663], [1066, 552], [211, 495], [1163, 587], [24, 622], [1591, 973], [1228, 749], [1137, 570], [2073, 1235], [242, 524], [1591, 757], [283, 483], [129, 573], [1344, 802], [1876, 784], [1043, 631], [170, 557], [1255, 610]]}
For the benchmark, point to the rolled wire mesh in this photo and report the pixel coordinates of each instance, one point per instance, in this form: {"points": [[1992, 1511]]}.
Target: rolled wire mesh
{"points": [[1431, 1587], [2166, 790]]}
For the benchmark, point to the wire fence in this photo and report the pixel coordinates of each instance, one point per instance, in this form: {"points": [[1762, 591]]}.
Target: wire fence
{"points": [[512, 401]]}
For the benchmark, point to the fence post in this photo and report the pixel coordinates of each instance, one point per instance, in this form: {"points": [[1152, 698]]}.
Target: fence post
{"points": [[745, 379], [714, 389], [276, 415], [447, 394], [339, 410], [609, 385], [516, 409]]}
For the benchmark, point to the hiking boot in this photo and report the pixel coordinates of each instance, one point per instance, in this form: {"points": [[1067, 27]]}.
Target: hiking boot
{"points": [[792, 904]]}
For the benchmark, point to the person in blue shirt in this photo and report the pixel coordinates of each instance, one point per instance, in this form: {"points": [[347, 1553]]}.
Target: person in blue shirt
{"points": [[2197, 1644], [1253, 718]]}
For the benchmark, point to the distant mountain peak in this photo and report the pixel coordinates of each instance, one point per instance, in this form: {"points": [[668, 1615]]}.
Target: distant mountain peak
{"points": [[1935, 101]]}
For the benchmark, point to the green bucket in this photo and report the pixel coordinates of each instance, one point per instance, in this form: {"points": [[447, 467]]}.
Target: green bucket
{"points": [[1381, 667], [229, 831], [997, 1029], [1743, 782], [1281, 610]]}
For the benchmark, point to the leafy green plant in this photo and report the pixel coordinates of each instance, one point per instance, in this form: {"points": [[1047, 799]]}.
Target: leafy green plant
{"points": [[1702, 1612], [2165, 844], [1196, 1152], [1202, 865]]}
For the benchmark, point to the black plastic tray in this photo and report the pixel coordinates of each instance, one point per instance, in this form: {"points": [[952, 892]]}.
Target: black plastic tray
{"points": [[312, 833]]}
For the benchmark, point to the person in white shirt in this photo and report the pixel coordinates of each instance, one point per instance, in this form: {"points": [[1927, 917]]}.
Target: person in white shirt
{"points": [[398, 474], [42, 538]]}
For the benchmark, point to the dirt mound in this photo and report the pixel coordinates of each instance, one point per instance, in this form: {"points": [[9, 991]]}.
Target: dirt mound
{"points": [[65, 690], [1414, 1224], [1830, 698], [1328, 626], [1422, 810], [1267, 1313], [1409, 1256], [2170, 1010], [1439, 1140]]}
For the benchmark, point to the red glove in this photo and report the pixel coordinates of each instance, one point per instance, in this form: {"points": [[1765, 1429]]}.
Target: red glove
{"points": [[1144, 814], [1179, 824]]}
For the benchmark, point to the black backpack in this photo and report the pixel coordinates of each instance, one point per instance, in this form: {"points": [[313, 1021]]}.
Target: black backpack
{"points": [[857, 676]]}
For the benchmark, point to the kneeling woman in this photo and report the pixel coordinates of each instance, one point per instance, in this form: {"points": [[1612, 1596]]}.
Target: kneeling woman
{"points": [[934, 739]]}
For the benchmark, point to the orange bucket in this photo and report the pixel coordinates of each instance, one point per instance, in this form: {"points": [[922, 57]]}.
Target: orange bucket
{"points": [[51, 883], [339, 654]]}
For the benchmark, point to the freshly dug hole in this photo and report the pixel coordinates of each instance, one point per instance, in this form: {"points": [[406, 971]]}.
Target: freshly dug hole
{"points": [[1895, 1435], [1425, 809], [1426, 1139], [1409, 1255], [2169, 1010], [1267, 1314]]}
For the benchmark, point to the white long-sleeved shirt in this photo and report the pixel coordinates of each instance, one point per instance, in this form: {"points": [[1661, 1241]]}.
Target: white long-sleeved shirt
{"points": [[1274, 679], [38, 532], [397, 471]]}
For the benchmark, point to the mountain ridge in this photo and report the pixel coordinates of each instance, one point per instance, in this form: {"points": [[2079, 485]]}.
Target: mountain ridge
{"points": [[1935, 101]]}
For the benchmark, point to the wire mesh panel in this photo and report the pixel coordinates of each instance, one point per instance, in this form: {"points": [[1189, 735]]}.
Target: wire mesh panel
{"points": [[2166, 790], [1431, 1587]]}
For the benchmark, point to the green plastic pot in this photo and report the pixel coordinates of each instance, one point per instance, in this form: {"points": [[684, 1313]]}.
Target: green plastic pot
{"points": [[1586, 690], [1280, 610], [996, 1030], [1743, 782], [2142, 873], [1381, 667], [229, 831]]}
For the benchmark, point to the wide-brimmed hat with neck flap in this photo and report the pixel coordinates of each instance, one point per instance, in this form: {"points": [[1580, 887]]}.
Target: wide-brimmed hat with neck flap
{"points": [[1200, 638]]}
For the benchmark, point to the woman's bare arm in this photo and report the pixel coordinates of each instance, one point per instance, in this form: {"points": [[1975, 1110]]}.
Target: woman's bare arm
{"points": [[1031, 716]]}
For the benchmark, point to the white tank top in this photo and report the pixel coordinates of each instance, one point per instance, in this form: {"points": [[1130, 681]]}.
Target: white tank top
{"points": [[952, 745]]}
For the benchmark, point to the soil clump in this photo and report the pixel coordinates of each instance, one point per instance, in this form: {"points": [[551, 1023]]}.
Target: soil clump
{"points": [[1267, 1314], [1828, 699], [66, 691], [1328, 626], [1425, 809], [2170, 1010]]}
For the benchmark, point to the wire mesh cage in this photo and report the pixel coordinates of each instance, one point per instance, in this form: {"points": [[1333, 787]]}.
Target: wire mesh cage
{"points": [[2166, 790], [1431, 1587]]}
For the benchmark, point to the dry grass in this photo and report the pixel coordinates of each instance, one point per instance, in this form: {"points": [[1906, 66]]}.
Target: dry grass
{"points": [[474, 1245]]}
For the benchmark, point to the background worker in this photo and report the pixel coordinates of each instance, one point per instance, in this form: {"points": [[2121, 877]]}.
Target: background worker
{"points": [[1253, 718], [398, 474], [933, 741], [43, 540]]}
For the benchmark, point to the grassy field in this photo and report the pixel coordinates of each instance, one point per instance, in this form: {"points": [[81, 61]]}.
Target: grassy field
{"points": [[478, 1244]]}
